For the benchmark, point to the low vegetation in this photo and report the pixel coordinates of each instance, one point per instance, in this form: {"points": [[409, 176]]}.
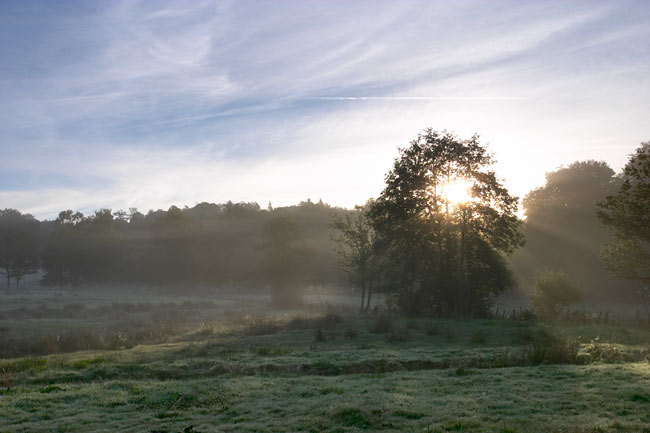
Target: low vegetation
{"points": [[554, 292], [303, 370]]}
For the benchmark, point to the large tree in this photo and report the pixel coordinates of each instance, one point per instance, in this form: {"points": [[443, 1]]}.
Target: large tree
{"points": [[627, 213], [445, 224]]}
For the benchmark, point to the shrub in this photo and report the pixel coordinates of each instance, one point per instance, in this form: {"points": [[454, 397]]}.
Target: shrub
{"points": [[553, 292], [552, 349]]}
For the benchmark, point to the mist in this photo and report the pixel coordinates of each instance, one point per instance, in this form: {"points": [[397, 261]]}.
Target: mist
{"points": [[421, 216]]}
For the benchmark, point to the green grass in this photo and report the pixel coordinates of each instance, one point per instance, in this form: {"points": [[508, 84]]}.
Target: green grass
{"points": [[543, 398], [301, 371]]}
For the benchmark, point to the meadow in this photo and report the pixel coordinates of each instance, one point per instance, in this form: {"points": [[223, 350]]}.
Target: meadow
{"points": [[149, 362]]}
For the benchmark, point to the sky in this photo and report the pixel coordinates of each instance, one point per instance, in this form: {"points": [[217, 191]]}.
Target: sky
{"points": [[148, 104]]}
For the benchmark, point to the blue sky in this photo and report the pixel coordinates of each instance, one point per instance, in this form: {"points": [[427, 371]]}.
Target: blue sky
{"points": [[152, 103]]}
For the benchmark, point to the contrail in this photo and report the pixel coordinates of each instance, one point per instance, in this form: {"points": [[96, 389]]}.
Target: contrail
{"points": [[412, 98]]}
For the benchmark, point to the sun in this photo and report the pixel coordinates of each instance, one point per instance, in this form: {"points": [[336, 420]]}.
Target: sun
{"points": [[457, 191]]}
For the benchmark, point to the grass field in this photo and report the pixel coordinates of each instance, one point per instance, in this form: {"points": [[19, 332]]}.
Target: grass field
{"points": [[224, 365]]}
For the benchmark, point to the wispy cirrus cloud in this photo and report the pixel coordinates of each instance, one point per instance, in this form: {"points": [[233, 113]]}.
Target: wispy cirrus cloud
{"points": [[145, 104]]}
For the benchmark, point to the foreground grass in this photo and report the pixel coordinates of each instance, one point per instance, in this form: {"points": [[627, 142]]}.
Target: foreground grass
{"points": [[218, 371], [543, 398], [335, 375]]}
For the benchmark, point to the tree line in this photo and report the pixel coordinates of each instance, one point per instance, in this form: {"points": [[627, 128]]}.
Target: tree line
{"points": [[430, 250], [208, 244]]}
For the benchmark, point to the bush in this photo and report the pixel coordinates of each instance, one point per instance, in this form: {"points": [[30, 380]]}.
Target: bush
{"points": [[552, 349], [553, 292]]}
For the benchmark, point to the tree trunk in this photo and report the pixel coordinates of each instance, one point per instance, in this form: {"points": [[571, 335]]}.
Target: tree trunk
{"points": [[369, 294], [466, 302], [363, 298]]}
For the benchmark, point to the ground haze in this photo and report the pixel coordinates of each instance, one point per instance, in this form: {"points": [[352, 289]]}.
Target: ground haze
{"points": [[226, 363]]}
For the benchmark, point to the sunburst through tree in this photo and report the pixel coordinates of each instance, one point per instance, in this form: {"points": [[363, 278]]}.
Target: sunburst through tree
{"points": [[445, 223], [457, 192]]}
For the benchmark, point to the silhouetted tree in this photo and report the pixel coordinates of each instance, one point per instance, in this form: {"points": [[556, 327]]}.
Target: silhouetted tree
{"points": [[355, 238], [443, 256], [562, 231], [19, 245], [627, 212]]}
